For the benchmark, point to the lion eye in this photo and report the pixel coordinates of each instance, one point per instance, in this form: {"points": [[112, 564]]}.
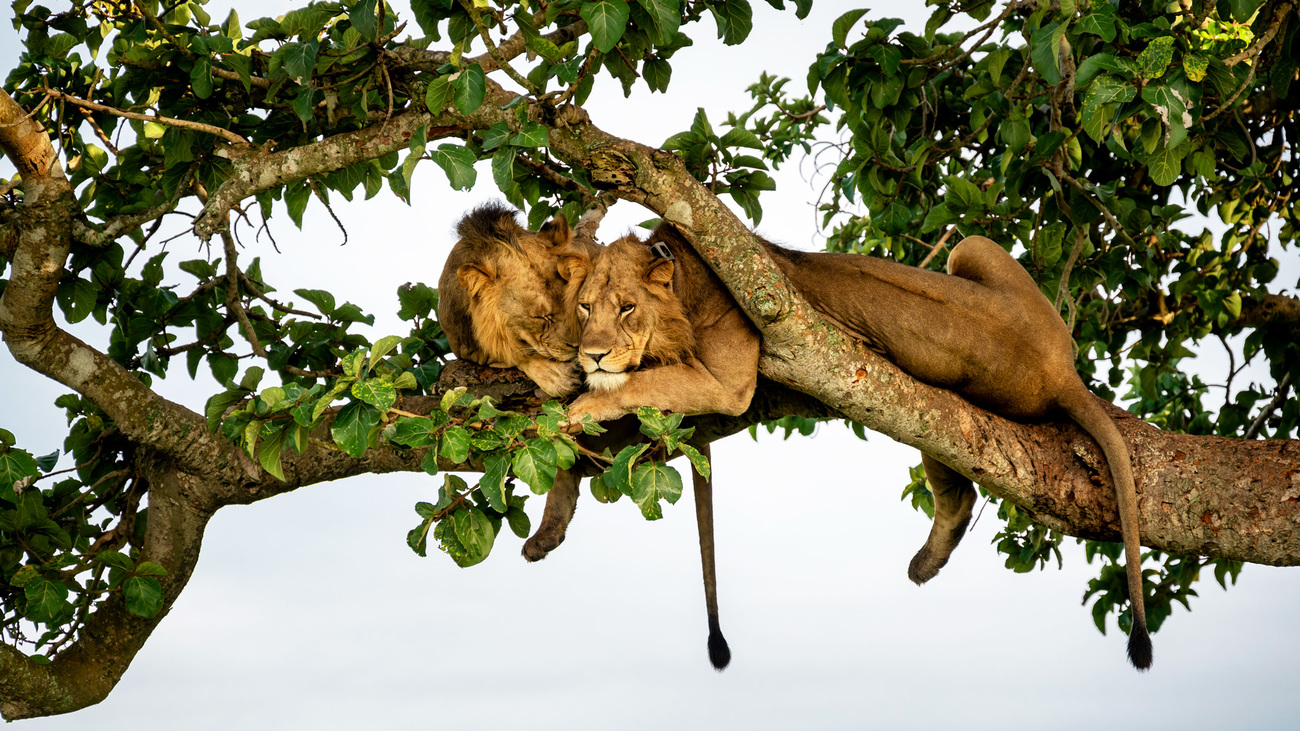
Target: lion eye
{"points": [[626, 309], [584, 308]]}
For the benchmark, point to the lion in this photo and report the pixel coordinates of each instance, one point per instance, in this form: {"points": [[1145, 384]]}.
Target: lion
{"points": [[502, 303], [659, 329]]}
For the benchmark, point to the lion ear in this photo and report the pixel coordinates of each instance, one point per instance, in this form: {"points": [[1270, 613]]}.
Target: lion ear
{"points": [[660, 272], [573, 267], [557, 231], [476, 277]]}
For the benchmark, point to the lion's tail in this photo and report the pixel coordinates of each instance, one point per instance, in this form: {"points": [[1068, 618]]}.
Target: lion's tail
{"points": [[719, 653], [1084, 408]]}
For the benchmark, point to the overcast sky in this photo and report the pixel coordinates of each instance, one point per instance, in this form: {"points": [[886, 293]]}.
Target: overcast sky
{"points": [[309, 611]]}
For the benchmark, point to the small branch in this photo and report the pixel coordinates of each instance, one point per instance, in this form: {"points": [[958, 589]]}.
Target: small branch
{"points": [[123, 225], [251, 287], [1258, 46], [938, 247], [233, 300], [162, 29], [1110, 217], [492, 49], [1283, 389], [182, 123]]}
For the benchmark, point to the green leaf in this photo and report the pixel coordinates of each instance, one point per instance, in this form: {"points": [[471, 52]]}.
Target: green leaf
{"points": [[532, 134], [840, 28], [699, 461], [419, 431], [144, 596], [15, 465], [437, 94], [268, 453], [217, 406], [1015, 132], [606, 20], [493, 485], [651, 482], [535, 465], [475, 533], [518, 521], [735, 19], [657, 73], [665, 18], [503, 168], [116, 560], [382, 348], [496, 135], [151, 568], [47, 600], [455, 444], [201, 78], [619, 474], [469, 89], [1243, 10], [1100, 22], [1153, 60], [1195, 66], [741, 137], [364, 20], [1165, 167], [323, 300], [353, 426], [1045, 50], [299, 60], [601, 490], [430, 462], [895, 219], [458, 162]]}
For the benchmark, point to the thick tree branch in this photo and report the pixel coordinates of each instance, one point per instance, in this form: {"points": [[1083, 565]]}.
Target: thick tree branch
{"points": [[1199, 495]]}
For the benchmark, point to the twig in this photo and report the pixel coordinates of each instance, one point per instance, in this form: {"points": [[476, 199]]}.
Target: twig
{"points": [[252, 288], [500, 60], [1110, 217], [30, 114], [1258, 46], [1063, 289], [182, 123], [233, 301], [123, 225], [1283, 387], [162, 29], [938, 246]]}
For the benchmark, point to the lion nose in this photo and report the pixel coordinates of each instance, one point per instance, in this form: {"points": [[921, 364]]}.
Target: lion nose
{"points": [[595, 355]]}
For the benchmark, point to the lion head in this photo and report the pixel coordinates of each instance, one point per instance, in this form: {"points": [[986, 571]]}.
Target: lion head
{"points": [[502, 302], [630, 315]]}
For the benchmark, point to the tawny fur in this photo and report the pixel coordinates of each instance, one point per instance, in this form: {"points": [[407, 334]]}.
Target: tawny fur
{"points": [[984, 331], [502, 301]]}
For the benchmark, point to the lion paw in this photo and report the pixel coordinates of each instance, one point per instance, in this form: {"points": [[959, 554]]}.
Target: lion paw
{"points": [[541, 545], [554, 377], [925, 565]]}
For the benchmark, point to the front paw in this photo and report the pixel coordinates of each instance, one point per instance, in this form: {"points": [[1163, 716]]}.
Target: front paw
{"points": [[554, 377], [595, 406]]}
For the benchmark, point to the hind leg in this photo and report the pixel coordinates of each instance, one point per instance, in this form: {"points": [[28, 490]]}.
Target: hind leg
{"points": [[954, 499], [561, 501]]}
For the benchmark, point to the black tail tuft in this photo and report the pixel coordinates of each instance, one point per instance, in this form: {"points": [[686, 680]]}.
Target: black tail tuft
{"points": [[1139, 647], [719, 653]]}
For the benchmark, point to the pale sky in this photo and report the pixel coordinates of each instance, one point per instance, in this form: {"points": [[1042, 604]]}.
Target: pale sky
{"points": [[309, 611]]}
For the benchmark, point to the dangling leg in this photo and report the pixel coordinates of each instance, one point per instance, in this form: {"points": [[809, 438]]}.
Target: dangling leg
{"points": [[561, 501], [954, 499], [719, 653]]}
